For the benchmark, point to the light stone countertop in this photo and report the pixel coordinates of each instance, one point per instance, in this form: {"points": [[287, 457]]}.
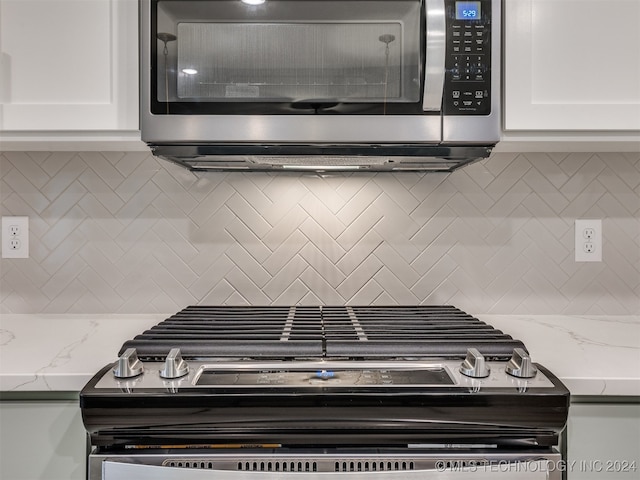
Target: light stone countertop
{"points": [[55, 352], [592, 355]]}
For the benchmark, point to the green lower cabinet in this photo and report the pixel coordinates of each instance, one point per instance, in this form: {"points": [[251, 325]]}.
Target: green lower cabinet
{"points": [[603, 441], [42, 439]]}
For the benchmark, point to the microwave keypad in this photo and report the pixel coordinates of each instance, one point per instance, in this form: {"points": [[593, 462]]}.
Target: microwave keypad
{"points": [[468, 62]]}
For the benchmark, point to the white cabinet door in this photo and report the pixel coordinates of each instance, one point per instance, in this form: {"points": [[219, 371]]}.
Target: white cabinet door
{"points": [[572, 65], [68, 65]]}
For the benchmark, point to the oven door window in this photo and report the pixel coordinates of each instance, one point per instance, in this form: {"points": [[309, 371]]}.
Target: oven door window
{"points": [[287, 56]]}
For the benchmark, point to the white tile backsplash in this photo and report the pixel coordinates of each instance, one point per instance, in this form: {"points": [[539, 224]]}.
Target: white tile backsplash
{"points": [[127, 233]]}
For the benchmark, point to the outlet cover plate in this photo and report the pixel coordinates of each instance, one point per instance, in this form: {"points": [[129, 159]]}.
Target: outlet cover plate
{"points": [[588, 240], [15, 237]]}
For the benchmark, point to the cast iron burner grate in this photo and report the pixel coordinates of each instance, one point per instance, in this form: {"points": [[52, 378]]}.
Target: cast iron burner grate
{"points": [[319, 331]]}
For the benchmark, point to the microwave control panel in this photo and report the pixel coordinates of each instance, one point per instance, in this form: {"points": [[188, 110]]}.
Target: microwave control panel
{"points": [[467, 87]]}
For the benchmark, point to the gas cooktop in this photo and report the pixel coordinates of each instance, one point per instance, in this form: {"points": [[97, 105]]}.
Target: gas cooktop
{"points": [[322, 332], [301, 375]]}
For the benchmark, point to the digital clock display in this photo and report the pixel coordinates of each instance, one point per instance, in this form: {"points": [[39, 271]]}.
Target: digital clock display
{"points": [[468, 11]]}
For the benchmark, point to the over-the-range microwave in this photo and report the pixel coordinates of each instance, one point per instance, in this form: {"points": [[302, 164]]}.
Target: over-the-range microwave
{"points": [[320, 84]]}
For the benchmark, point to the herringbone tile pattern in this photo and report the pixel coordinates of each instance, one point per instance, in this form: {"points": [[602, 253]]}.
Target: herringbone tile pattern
{"points": [[127, 233]]}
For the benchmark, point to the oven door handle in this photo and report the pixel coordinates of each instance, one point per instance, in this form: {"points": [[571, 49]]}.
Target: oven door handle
{"points": [[508, 471]]}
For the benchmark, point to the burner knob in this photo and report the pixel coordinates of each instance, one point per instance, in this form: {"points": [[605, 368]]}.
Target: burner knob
{"points": [[520, 365], [174, 365], [128, 365], [474, 365]]}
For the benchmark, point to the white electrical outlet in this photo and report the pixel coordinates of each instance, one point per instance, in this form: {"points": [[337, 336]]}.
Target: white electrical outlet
{"points": [[588, 240], [15, 237]]}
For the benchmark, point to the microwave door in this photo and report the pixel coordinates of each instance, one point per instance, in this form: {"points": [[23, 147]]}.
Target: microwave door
{"points": [[222, 57], [378, 81], [312, 72]]}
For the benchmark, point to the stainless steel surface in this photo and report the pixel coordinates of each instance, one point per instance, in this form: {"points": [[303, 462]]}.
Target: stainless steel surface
{"points": [[474, 365], [497, 378], [520, 365], [312, 133], [435, 48], [174, 365], [469, 129], [128, 365], [117, 471], [438, 465], [346, 157], [286, 129]]}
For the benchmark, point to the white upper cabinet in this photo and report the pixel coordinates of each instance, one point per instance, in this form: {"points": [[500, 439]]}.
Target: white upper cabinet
{"points": [[68, 65], [572, 65]]}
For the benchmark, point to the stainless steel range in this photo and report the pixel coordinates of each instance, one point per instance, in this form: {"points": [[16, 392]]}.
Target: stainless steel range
{"points": [[425, 392]]}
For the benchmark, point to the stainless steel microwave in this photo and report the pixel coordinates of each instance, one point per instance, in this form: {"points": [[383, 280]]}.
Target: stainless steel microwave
{"points": [[320, 84]]}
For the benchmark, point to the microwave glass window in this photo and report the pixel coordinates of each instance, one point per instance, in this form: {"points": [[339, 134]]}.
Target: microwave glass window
{"points": [[291, 62], [468, 11], [289, 54]]}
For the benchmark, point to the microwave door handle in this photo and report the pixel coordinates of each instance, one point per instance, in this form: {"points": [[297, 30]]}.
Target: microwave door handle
{"points": [[435, 55]]}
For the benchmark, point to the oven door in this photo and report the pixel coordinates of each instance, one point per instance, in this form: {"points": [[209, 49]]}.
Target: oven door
{"points": [[436, 466]]}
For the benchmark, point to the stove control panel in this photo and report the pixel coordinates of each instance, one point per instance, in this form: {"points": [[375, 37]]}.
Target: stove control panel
{"points": [[175, 375], [432, 376]]}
